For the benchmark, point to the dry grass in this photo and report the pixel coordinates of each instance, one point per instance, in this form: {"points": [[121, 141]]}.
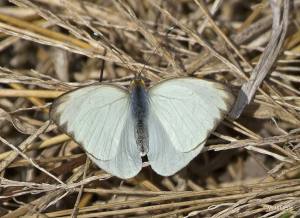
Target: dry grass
{"points": [[250, 165]]}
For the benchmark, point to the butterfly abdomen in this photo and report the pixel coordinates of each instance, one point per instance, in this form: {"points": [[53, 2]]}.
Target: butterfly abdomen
{"points": [[139, 109]]}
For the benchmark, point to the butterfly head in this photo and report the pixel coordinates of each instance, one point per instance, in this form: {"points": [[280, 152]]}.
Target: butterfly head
{"points": [[137, 82]]}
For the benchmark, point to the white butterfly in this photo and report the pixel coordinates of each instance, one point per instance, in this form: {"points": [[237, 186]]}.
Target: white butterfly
{"points": [[169, 122]]}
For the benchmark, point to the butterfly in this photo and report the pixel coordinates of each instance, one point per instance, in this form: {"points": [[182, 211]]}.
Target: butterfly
{"points": [[168, 122]]}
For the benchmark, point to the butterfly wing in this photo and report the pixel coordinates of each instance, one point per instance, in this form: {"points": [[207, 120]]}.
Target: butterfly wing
{"points": [[163, 157], [189, 109], [98, 118], [127, 162]]}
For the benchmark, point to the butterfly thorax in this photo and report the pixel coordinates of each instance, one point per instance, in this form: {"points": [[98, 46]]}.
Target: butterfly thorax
{"points": [[139, 109]]}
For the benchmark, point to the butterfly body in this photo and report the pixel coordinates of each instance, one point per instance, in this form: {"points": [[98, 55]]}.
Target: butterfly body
{"points": [[169, 122], [139, 109]]}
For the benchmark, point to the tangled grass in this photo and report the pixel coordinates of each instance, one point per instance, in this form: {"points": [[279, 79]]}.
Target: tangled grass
{"points": [[250, 165]]}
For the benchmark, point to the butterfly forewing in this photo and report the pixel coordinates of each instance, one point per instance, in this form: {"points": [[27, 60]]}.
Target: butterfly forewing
{"points": [[94, 116]]}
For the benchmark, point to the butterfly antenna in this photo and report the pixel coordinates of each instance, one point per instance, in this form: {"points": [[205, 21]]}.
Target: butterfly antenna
{"points": [[115, 50], [96, 35], [102, 67], [150, 56]]}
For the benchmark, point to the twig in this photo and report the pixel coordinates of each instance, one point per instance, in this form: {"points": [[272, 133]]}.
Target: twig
{"points": [[30, 160]]}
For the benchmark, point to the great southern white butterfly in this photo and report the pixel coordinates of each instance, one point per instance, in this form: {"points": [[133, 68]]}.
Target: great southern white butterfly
{"points": [[169, 122]]}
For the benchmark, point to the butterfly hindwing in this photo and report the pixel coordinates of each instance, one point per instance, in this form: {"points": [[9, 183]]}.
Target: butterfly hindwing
{"points": [[163, 157], [127, 162]]}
